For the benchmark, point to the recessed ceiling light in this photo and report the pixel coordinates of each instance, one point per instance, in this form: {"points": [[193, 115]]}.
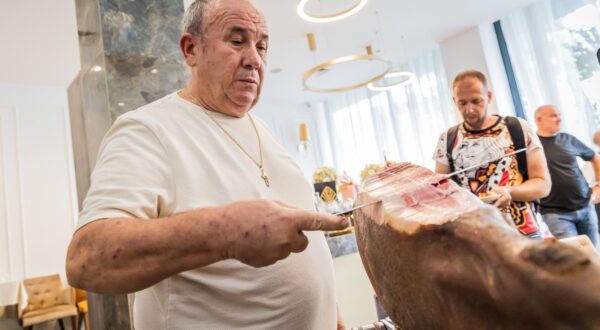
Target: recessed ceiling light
{"points": [[121, 104], [97, 68], [154, 71]]}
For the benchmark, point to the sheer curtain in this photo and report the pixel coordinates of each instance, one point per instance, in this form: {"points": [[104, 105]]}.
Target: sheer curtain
{"points": [[545, 70], [401, 124]]}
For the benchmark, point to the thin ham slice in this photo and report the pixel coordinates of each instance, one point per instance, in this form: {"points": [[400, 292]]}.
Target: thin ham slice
{"points": [[438, 258]]}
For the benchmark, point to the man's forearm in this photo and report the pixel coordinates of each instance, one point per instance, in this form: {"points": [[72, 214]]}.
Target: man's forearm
{"points": [[127, 255], [596, 162], [530, 190]]}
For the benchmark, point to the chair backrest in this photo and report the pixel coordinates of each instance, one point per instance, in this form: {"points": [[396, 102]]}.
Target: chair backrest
{"points": [[45, 292]]}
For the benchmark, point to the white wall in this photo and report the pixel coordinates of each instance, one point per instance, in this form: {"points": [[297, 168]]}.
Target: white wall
{"points": [[284, 119], [40, 58], [477, 48], [39, 42], [38, 205]]}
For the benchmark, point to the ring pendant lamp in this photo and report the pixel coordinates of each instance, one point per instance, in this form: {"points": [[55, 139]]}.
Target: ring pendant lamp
{"points": [[408, 77], [341, 60], [355, 8]]}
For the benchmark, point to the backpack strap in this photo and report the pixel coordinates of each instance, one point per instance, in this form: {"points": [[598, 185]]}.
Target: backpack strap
{"points": [[450, 140], [516, 133]]}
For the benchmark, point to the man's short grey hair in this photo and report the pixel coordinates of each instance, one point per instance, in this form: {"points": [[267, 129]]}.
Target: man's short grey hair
{"points": [[193, 19]]}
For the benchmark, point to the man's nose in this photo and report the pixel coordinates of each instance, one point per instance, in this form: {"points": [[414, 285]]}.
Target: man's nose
{"points": [[251, 59]]}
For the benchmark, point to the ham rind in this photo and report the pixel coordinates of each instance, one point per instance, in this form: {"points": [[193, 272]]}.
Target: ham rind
{"points": [[438, 258]]}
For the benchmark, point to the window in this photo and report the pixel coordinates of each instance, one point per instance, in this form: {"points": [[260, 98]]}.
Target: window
{"points": [[401, 124], [552, 45], [578, 30]]}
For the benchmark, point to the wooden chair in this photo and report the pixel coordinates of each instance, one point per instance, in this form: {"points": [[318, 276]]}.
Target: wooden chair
{"points": [[46, 300], [82, 309]]}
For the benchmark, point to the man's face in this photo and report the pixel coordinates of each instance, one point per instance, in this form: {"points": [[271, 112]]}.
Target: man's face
{"points": [[231, 58], [472, 99], [549, 120]]}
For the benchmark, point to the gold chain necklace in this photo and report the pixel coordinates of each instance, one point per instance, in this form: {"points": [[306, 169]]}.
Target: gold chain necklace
{"points": [[258, 164]]}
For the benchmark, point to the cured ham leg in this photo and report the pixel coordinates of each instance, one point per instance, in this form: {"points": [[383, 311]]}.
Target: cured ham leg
{"points": [[438, 258]]}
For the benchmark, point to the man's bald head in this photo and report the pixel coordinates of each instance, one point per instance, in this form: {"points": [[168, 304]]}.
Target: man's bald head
{"points": [[547, 118], [194, 19], [543, 110]]}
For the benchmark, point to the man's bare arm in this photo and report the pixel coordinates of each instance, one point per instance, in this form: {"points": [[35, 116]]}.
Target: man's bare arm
{"points": [[539, 183], [595, 199], [441, 168], [128, 255]]}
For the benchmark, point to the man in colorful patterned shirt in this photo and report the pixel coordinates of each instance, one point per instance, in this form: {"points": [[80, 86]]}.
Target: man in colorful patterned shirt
{"points": [[485, 138]]}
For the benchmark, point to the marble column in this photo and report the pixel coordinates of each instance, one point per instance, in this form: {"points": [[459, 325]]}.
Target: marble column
{"points": [[129, 57], [141, 51]]}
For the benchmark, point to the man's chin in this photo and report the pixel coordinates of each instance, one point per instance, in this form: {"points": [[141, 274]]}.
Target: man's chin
{"points": [[474, 122], [239, 107], [245, 100]]}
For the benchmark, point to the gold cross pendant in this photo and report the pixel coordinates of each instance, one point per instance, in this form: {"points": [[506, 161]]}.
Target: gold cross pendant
{"points": [[264, 177]]}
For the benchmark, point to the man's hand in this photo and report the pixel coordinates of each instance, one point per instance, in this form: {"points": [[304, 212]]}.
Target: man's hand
{"points": [[505, 197], [595, 199], [261, 232], [341, 325]]}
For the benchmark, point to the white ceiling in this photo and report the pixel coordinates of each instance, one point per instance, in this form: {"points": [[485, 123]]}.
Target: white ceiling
{"points": [[398, 28], [39, 44]]}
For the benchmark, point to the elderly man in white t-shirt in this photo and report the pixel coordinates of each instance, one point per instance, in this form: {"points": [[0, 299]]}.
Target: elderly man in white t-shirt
{"points": [[194, 206]]}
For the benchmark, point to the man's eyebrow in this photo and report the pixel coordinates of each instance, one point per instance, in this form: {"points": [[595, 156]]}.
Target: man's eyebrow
{"points": [[242, 30]]}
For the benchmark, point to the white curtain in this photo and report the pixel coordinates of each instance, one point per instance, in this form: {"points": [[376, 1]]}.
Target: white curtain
{"points": [[402, 124], [545, 70]]}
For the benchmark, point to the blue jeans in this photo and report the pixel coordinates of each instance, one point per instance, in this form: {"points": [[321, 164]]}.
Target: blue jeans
{"points": [[581, 222]]}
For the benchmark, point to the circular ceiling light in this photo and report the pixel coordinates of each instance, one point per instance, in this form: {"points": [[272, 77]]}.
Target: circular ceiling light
{"points": [[331, 17], [408, 76], [341, 60]]}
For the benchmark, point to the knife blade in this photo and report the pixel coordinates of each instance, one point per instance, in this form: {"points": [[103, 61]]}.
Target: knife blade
{"points": [[484, 163], [347, 212]]}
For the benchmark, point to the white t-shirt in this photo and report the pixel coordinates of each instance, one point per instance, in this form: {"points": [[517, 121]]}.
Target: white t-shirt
{"points": [[169, 157]]}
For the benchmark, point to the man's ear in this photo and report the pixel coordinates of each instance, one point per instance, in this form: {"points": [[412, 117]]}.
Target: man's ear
{"points": [[187, 44], [490, 96]]}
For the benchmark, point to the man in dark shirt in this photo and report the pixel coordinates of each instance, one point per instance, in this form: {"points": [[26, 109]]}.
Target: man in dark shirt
{"points": [[567, 210]]}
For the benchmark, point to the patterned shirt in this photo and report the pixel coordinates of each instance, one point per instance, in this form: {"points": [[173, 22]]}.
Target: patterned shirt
{"points": [[474, 147]]}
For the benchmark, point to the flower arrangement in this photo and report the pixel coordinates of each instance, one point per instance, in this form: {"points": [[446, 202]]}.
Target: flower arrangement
{"points": [[324, 174], [370, 169]]}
